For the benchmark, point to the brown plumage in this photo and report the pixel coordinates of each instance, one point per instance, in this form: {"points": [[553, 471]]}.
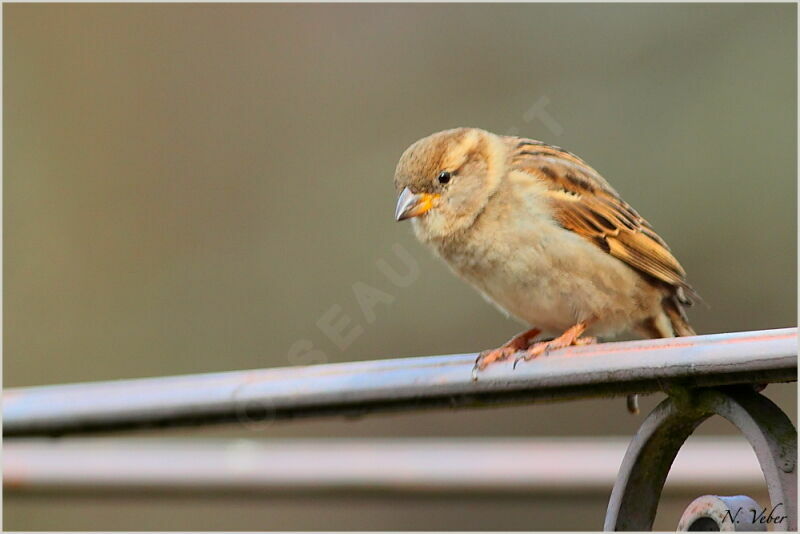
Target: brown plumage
{"points": [[586, 204], [543, 236]]}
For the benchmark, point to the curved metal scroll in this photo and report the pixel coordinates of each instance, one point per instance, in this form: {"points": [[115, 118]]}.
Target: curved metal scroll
{"points": [[644, 469]]}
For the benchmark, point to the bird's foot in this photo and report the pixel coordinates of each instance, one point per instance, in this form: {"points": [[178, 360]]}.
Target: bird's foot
{"points": [[572, 336], [517, 343]]}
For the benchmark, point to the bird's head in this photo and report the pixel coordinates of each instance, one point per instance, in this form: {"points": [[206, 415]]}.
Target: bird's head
{"points": [[446, 179]]}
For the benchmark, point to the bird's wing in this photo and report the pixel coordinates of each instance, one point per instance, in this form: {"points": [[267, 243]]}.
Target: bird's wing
{"points": [[586, 204]]}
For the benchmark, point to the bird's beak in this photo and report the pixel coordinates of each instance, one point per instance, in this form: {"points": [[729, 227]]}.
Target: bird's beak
{"points": [[413, 204]]}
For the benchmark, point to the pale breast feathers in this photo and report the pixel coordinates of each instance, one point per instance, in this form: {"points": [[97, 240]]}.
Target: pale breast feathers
{"points": [[584, 203]]}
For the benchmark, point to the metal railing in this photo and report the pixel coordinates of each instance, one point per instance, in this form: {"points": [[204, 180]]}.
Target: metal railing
{"points": [[704, 375], [257, 468], [608, 369]]}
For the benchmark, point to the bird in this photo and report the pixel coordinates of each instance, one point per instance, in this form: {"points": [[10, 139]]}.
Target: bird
{"points": [[545, 238]]}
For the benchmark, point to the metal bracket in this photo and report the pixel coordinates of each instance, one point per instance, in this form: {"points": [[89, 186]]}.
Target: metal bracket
{"points": [[634, 499]]}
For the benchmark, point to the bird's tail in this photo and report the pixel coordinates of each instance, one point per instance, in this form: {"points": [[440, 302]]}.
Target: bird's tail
{"points": [[677, 318], [675, 325]]}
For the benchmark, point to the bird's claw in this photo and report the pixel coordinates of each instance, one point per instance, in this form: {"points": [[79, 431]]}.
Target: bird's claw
{"points": [[527, 356], [539, 349], [489, 356], [475, 368], [519, 342]]}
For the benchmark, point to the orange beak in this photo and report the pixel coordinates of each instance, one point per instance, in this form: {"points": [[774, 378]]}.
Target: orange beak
{"points": [[413, 204]]}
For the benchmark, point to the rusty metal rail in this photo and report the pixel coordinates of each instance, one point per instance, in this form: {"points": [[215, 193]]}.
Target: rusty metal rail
{"points": [[250, 397]]}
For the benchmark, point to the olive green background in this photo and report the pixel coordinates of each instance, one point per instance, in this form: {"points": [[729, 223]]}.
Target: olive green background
{"points": [[190, 188]]}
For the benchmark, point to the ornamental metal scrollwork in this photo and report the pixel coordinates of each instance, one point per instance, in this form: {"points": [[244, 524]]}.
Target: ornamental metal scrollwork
{"points": [[634, 499]]}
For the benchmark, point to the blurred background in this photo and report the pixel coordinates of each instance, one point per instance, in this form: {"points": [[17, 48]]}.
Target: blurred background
{"points": [[190, 188]]}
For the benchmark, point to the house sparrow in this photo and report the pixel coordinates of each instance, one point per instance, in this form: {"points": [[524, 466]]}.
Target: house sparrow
{"points": [[544, 238]]}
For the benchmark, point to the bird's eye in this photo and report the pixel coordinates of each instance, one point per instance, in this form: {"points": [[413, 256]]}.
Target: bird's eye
{"points": [[444, 177]]}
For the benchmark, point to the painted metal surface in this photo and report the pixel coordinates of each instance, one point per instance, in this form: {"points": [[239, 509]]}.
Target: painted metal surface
{"points": [[634, 499], [258, 396], [737, 513], [374, 468]]}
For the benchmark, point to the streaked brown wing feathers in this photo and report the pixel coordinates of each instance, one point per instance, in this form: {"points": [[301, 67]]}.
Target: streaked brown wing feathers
{"points": [[586, 204]]}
